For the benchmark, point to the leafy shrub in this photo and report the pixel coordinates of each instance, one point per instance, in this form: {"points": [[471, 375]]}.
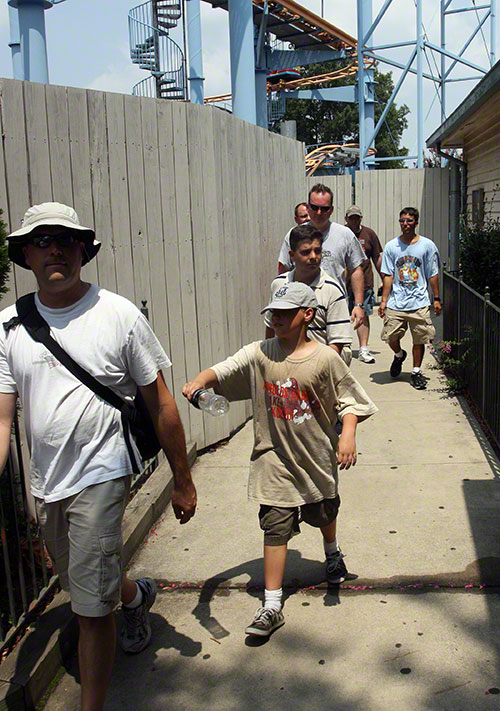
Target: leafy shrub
{"points": [[480, 256]]}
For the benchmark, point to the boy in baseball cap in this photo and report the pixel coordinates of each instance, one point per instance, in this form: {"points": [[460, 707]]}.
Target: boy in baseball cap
{"points": [[299, 389]]}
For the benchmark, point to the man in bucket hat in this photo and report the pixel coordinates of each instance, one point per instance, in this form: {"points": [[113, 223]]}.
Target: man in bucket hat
{"points": [[80, 463]]}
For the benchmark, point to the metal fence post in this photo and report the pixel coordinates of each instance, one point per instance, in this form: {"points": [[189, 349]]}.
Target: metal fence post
{"points": [[486, 303]]}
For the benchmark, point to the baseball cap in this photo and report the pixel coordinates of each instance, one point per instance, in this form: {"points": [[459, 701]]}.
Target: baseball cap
{"points": [[353, 210], [49, 214], [292, 295]]}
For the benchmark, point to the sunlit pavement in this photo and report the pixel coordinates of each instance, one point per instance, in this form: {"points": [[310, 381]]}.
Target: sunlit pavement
{"points": [[417, 625]]}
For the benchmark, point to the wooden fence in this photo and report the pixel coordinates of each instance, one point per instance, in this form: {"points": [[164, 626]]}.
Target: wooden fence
{"points": [[190, 203]]}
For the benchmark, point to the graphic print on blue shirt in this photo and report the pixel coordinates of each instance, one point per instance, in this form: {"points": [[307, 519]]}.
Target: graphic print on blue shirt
{"points": [[408, 271]]}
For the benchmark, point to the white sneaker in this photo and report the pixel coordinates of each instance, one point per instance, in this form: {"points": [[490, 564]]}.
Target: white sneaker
{"points": [[365, 356]]}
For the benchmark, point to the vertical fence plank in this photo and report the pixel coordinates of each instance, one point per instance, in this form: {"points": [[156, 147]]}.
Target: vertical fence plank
{"points": [[16, 169], [177, 375], [119, 197], [59, 154]]}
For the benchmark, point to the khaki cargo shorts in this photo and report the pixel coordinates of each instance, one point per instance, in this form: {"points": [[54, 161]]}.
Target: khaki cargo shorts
{"points": [[419, 322], [281, 523], [83, 534]]}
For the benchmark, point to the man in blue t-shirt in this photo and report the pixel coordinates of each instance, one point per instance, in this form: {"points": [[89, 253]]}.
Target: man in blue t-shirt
{"points": [[409, 263]]}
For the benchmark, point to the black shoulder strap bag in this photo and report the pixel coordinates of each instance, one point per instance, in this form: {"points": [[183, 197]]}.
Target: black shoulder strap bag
{"points": [[135, 416]]}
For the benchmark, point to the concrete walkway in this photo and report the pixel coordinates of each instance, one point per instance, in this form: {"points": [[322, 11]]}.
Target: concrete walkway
{"points": [[419, 627]]}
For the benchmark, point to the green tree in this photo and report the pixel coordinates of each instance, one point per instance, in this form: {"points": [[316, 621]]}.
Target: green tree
{"points": [[4, 257], [337, 122]]}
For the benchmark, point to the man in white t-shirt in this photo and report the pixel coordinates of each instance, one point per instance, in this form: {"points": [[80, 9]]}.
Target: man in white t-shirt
{"points": [[80, 463], [341, 248]]}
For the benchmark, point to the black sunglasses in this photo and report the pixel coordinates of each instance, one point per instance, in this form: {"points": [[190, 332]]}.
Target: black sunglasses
{"points": [[321, 208], [66, 239], [407, 219]]}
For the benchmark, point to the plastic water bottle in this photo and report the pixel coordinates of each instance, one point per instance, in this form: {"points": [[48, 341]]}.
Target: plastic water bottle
{"points": [[215, 405]]}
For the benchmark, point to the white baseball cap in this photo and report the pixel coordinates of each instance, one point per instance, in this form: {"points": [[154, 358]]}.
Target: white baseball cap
{"points": [[292, 295]]}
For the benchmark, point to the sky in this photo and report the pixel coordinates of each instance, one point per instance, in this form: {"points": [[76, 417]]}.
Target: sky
{"points": [[88, 47]]}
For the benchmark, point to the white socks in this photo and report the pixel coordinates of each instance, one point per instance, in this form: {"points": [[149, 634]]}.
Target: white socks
{"points": [[415, 370], [400, 354], [137, 599], [330, 548], [363, 348], [272, 599]]}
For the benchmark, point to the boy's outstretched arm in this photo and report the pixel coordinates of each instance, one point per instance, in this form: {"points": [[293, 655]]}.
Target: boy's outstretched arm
{"points": [[346, 448], [205, 379]]}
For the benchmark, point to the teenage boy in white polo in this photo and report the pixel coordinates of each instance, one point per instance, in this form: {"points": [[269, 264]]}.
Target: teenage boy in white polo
{"points": [[409, 263], [331, 324], [80, 464]]}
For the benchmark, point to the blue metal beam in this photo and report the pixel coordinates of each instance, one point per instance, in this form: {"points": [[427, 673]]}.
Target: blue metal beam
{"points": [[380, 58], [478, 28], [195, 77], [376, 21], [345, 94], [284, 58], [454, 56], [467, 9], [15, 45], [391, 99], [32, 36], [241, 45]]}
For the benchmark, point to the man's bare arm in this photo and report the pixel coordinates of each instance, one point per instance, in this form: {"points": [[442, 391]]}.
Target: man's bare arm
{"points": [[386, 290], [7, 411], [434, 282], [168, 426], [358, 290]]}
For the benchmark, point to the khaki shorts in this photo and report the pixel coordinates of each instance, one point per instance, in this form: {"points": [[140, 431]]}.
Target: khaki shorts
{"points": [[84, 539], [419, 321], [346, 354], [281, 523]]}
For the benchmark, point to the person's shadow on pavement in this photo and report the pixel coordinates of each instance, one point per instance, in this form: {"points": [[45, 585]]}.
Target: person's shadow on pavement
{"points": [[300, 573]]}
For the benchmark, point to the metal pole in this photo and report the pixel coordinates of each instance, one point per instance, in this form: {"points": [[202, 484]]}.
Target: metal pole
{"points": [[33, 42], [195, 77], [15, 44], [443, 65], [486, 304], [420, 87], [493, 32], [241, 45], [361, 86], [455, 202]]}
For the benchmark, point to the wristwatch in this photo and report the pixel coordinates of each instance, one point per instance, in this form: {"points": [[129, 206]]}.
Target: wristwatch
{"points": [[436, 298], [359, 305]]}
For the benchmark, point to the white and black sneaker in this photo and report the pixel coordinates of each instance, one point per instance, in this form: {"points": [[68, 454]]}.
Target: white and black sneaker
{"points": [[135, 634], [265, 621], [365, 356]]}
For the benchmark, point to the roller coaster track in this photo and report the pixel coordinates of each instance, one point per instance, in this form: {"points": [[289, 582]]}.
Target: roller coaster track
{"points": [[153, 50], [303, 82]]}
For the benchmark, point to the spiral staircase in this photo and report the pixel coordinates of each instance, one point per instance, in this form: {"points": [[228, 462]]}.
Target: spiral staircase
{"points": [[153, 50]]}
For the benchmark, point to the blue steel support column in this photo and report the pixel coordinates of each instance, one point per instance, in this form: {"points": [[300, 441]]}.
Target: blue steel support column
{"points": [[193, 25], [261, 96], [32, 34], [443, 64], [366, 97], [361, 86], [241, 46], [420, 87], [15, 45]]}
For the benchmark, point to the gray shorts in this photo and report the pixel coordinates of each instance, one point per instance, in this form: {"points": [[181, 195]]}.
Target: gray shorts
{"points": [[281, 523], [368, 301], [84, 539]]}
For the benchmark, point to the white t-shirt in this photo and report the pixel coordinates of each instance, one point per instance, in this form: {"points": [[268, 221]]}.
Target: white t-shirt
{"points": [[75, 438], [331, 323], [341, 249]]}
